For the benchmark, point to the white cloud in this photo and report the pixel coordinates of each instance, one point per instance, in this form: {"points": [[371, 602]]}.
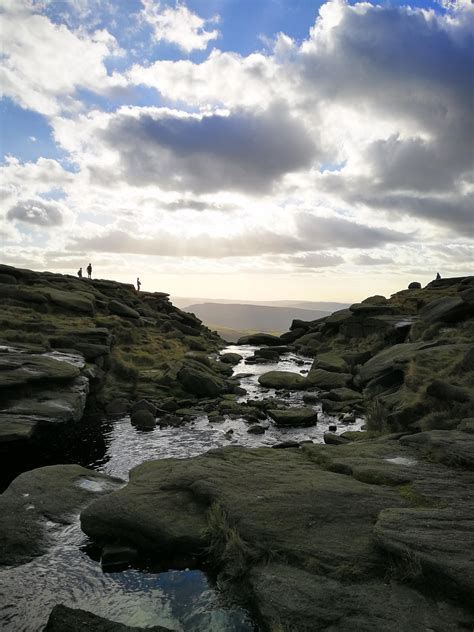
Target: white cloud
{"points": [[179, 25], [43, 64]]}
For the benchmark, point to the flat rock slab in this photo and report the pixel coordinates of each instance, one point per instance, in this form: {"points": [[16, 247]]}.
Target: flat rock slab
{"points": [[17, 369], [294, 416], [64, 619], [288, 598], [278, 498], [440, 540], [452, 447], [39, 501], [328, 379]]}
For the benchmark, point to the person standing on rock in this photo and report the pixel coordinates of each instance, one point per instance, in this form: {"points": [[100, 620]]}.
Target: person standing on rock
{"points": [[138, 285], [79, 273], [89, 270], [438, 276]]}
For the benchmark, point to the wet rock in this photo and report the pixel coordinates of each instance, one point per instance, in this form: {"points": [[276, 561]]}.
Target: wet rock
{"points": [[119, 406], [283, 380], [116, 557], [215, 418], [40, 500], [311, 398], [143, 404], [268, 354], [256, 429], [64, 619], [294, 416], [120, 309], [17, 428], [143, 419], [230, 358], [328, 379]]}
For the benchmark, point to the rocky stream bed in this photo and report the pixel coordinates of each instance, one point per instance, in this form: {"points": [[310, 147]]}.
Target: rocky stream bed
{"points": [[186, 600]]}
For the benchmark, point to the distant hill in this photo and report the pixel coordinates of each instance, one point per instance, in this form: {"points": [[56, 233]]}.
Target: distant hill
{"points": [[248, 317], [184, 302]]}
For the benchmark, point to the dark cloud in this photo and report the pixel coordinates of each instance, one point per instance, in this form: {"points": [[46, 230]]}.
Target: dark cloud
{"points": [[313, 260], [415, 70], [38, 212], [325, 232], [245, 151], [196, 205]]}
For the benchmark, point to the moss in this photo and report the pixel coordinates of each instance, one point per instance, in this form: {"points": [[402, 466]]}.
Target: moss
{"points": [[412, 496]]}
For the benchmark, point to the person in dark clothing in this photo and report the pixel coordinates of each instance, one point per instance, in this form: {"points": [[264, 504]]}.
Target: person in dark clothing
{"points": [[438, 276], [79, 273], [138, 285], [89, 270]]}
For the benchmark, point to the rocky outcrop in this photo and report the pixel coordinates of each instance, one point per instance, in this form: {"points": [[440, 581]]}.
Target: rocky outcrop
{"points": [[39, 501]]}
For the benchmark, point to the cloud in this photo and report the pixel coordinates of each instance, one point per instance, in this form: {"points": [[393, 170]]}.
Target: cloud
{"points": [[43, 63], [242, 151], [325, 232], [367, 260], [179, 26], [37, 212], [313, 234]]}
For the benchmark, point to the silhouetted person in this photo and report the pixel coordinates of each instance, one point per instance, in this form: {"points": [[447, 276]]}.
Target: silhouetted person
{"points": [[138, 285], [89, 270], [438, 276], [79, 273]]}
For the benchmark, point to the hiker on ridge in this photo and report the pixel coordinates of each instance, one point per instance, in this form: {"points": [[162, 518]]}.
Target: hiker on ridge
{"points": [[138, 285], [89, 270], [79, 273]]}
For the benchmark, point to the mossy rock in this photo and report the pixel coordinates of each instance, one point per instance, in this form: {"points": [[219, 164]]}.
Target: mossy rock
{"points": [[17, 369], [331, 361], [328, 379], [282, 380], [294, 416], [71, 301]]}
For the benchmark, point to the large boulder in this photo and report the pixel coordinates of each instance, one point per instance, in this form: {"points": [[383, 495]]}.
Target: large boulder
{"points": [[283, 380], [294, 416], [331, 361], [120, 309], [75, 301], [48, 495], [201, 381], [230, 358], [143, 419], [327, 379]]}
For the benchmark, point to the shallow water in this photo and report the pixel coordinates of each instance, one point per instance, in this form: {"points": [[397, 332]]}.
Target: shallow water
{"points": [[181, 600]]}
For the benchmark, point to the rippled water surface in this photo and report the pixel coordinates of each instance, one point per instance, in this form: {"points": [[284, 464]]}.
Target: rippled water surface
{"points": [[181, 600]]}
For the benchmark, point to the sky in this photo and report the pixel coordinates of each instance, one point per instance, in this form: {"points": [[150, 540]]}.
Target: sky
{"points": [[242, 149]]}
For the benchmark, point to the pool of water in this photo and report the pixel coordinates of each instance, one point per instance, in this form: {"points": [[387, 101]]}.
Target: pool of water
{"points": [[187, 601]]}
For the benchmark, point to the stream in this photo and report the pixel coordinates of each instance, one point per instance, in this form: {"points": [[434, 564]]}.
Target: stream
{"points": [[185, 601]]}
